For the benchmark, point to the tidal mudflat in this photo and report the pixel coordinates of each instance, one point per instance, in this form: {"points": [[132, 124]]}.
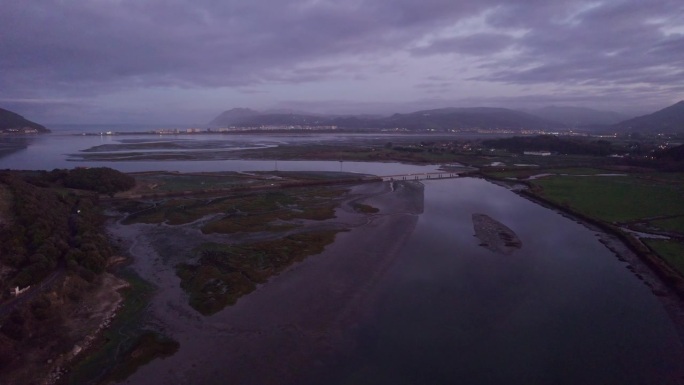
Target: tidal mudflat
{"points": [[298, 317]]}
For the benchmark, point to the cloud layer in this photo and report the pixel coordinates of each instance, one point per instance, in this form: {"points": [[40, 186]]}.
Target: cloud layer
{"points": [[91, 53]]}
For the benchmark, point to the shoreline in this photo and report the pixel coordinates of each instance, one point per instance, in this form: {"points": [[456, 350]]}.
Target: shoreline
{"points": [[661, 279]]}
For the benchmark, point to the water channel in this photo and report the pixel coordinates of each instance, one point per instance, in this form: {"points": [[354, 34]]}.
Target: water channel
{"points": [[561, 310]]}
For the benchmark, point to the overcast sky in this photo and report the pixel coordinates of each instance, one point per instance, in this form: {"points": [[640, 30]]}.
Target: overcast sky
{"points": [[185, 61]]}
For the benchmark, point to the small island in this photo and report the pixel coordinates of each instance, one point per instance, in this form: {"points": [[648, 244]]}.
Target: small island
{"points": [[494, 235]]}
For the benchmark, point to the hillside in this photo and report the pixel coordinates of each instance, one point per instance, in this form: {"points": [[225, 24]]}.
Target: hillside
{"points": [[12, 123], [233, 116], [669, 119], [578, 116], [469, 118], [438, 119]]}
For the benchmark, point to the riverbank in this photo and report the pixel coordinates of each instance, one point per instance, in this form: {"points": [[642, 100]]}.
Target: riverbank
{"points": [[660, 278]]}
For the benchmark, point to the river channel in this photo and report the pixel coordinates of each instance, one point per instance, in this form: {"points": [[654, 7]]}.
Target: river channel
{"points": [[411, 297], [561, 310]]}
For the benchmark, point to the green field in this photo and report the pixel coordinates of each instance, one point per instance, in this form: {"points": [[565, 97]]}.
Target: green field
{"points": [[524, 173], [648, 202], [670, 251], [615, 199], [672, 225]]}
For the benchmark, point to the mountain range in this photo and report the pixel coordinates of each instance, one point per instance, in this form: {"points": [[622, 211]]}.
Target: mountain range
{"points": [[577, 117], [437, 119], [670, 119], [13, 123]]}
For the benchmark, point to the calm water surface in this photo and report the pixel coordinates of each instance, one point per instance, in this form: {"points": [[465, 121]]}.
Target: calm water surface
{"points": [[47, 152], [561, 310]]}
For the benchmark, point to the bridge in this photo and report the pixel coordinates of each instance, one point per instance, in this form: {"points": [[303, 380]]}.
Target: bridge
{"points": [[421, 176]]}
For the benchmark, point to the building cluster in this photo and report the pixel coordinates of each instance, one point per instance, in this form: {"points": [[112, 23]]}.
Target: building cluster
{"points": [[19, 130]]}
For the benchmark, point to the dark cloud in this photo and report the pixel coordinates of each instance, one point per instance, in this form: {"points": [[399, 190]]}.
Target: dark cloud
{"points": [[616, 42], [79, 49]]}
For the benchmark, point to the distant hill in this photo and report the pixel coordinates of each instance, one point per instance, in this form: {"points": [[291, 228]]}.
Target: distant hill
{"points": [[233, 116], [12, 123], [578, 116], [438, 119], [470, 118], [669, 119]]}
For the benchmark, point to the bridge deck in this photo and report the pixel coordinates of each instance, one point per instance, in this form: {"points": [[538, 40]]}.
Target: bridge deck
{"points": [[421, 176]]}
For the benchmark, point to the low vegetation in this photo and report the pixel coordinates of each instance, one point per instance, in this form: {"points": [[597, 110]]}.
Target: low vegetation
{"points": [[146, 348], [223, 273], [364, 208], [242, 212], [671, 251]]}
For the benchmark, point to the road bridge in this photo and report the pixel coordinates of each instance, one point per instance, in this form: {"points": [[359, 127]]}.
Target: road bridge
{"points": [[421, 176]]}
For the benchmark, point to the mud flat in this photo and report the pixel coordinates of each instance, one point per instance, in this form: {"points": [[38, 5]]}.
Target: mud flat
{"points": [[291, 325], [494, 235]]}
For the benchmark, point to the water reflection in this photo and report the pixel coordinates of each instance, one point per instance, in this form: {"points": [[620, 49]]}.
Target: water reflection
{"points": [[13, 144], [561, 310]]}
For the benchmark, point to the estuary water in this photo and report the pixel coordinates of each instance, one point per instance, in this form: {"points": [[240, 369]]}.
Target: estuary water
{"points": [[57, 150], [562, 309], [428, 305]]}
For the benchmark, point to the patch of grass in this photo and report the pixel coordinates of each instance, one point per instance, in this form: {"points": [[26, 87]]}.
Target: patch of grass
{"points": [[223, 273], [119, 339], [147, 347], [248, 223], [364, 208], [670, 251], [245, 212], [526, 172], [672, 224], [194, 182], [614, 199]]}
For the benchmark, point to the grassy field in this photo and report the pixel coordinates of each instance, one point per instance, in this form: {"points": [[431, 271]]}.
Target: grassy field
{"points": [[672, 225], [670, 251], [263, 211], [524, 173], [651, 201], [181, 182], [615, 199]]}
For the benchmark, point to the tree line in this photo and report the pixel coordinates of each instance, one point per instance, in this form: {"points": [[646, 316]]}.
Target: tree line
{"points": [[49, 227]]}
